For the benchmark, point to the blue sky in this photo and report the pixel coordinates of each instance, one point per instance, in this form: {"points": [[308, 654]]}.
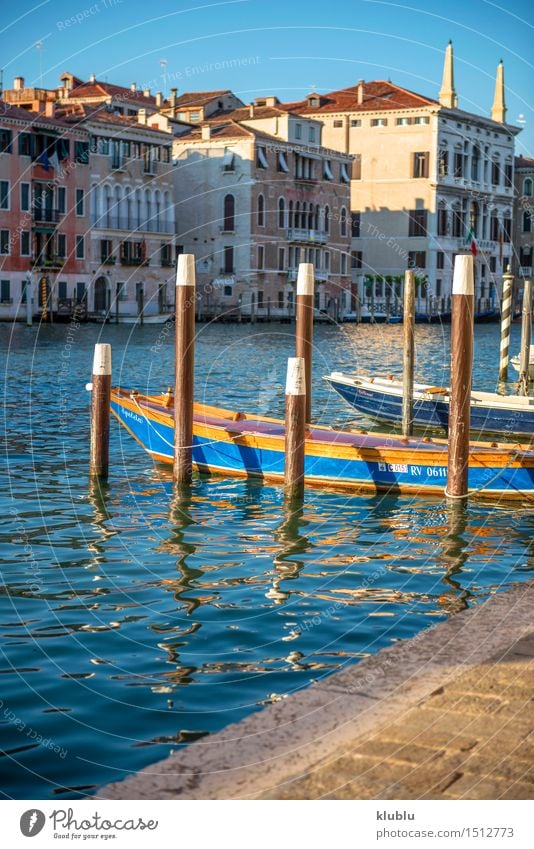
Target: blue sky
{"points": [[258, 47]]}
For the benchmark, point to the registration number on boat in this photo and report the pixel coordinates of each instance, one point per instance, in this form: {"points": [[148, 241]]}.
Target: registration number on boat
{"points": [[392, 467]]}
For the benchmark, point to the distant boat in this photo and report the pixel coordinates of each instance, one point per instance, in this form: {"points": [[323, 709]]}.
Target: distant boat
{"points": [[381, 398], [516, 362], [240, 445], [376, 316], [158, 318]]}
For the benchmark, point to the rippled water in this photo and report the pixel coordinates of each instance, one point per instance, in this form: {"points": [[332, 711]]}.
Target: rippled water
{"points": [[133, 621]]}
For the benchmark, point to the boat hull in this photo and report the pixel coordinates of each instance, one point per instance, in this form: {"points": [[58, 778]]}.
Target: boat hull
{"points": [[254, 447], [376, 402]]}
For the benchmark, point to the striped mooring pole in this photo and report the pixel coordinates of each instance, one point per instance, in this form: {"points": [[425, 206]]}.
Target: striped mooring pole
{"points": [[506, 321], [526, 336]]}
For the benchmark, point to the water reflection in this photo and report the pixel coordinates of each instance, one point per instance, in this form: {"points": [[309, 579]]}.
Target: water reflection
{"points": [[293, 543], [453, 554]]}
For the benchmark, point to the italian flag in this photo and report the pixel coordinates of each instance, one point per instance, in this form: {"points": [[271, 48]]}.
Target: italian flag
{"points": [[471, 243]]}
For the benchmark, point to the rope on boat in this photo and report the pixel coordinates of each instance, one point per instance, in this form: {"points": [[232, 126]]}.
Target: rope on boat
{"points": [[513, 456]]}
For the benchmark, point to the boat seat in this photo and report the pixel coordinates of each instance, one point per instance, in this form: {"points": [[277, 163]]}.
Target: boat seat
{"points": [[436, 390]]}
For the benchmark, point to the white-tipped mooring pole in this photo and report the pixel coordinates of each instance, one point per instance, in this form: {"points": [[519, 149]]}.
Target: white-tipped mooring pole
{"points": [[184, 362], [461, 373], [526, 335], [295, 428], [304, 326], [506, 321], [408, 319], [100, 400]]}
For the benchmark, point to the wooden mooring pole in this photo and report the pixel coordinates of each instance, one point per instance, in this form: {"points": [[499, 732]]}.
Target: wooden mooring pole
{"points": [[100, 400], [506, 322], [295, 428], [408, 352], [462, 328], [526, 335], [184, 361], [304, 326]]}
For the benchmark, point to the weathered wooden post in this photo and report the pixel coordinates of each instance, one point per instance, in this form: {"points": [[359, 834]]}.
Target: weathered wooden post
{"points": [[408, 352], [100, 400], [461, 372], [304, 326], [526, 334], [506, 321], [29, 302], [184, 362], [295, 428]]}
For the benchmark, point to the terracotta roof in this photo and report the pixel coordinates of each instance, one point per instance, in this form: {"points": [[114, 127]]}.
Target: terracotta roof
{"points": [[199, 98], [7, 110], [243, 113], [524, 162], [80, 113], [101, 89], [377, 95], [229, 129]]}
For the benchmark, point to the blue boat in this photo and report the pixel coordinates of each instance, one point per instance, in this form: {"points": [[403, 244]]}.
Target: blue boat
{"points": [[380, 398]]}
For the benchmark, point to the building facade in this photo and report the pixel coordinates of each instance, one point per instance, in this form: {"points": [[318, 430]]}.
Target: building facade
{"points": [[257, 195], [524, 217], [428, 181]]}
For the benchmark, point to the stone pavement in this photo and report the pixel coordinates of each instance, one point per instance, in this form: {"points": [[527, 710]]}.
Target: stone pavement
{"points": [[446, 715]]}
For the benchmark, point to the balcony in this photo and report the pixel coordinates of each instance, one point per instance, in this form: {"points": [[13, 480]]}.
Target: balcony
{"points": [[118, 163], [46, 216], [48, 263], [320, 276], [301, 234], [108, 260]]}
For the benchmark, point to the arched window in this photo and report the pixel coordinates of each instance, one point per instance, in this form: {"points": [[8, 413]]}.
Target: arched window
{"points": [[304, 216], [291, 222], [297, 215], [317, 216], [343, 221], [229, 214], [148, 210], [281, 213], [475, 163], [107, 206], [527, 187], [527, 221], [327, 218], [157, 210], [473, 218], [261, 211]]}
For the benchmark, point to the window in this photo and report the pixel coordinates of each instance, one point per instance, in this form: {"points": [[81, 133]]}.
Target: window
{"points": [[458, 164], [280, 300], [355, 122], [494, 228], [379, 122], [23, 287], [5, 141], [417, 222], [106, 249], [260, 298], [61, 199], [327, 261], [62, 290], [356, 167], [438, 288], [261, 158], [327, 218], [443, 221], [311, 134], [493, 263], [356, 259], [338, 124], [495, 172], [422, 119], [4, 194], [61, 245], [417, 259], [440, 259], [281, 259], [4, 242], [80, 247], [261, 257], [81, 152], [527, 187], [508, 175], [403, 122], [282, 163], [228, 160], [443, 162], [527, 221], [343, 263], [327, 171], [343, 173], [25, 243], [228, 291], [24, 197], [5, 292], [420, 164], [356, 218], [281, 213], [261, 211], [25, 144], [81, 293], [194, 116], [80, 202], [229, 214], [343, 221], [298, 131], [507, 229], [228, 259], [475, 164], [122, 291]]}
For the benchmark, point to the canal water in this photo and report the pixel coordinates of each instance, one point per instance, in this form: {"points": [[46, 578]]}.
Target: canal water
{"points": [[133, 622]]}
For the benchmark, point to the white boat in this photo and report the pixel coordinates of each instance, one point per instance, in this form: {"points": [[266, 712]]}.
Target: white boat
{"points": [[516, 362], [158, 318]]}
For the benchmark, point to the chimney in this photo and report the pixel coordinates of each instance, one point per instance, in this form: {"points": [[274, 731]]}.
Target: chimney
{"points": [[447, 94], [141, 116], [498, 110], [206, 132], [174, 93], [50, 108], [18, 83], [133, 86], [146, 92], [159, 98], [360, 92], [92, 78], [251, 110]]}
